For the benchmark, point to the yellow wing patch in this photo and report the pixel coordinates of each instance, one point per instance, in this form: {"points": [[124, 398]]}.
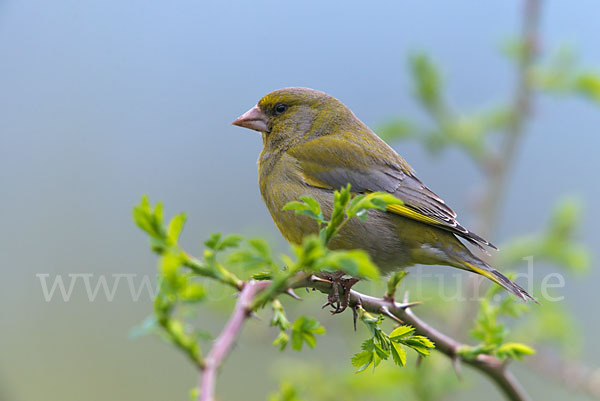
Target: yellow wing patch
{"points": [[407, 212], [483, 272], [314, 182]]}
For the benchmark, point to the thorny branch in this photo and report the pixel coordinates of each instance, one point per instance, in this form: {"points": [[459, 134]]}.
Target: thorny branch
{"points": [[226, 339], [491, 366]]}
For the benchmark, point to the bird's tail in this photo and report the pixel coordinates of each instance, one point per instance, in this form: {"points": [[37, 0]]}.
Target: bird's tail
{"points": [[480, 267]]}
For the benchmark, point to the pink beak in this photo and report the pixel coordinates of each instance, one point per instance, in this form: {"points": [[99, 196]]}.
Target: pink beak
{"points": [[253, 119]]}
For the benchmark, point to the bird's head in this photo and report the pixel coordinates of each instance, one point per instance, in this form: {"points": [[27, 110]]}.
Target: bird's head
{"points": [[286, 115]]}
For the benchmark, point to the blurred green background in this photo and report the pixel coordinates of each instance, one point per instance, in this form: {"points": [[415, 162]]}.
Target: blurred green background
{"points": [[103, 101]]}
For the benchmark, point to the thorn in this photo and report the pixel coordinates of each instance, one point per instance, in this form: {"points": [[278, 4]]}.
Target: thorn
{"points": [[318, 279], [456, 363], [292, 294], [354, 316], [326, 304], [389, 314], [254, 316], [408, 305]]}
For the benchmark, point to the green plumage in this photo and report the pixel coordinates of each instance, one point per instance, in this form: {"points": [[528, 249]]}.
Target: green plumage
{"points": [[314, 144]]}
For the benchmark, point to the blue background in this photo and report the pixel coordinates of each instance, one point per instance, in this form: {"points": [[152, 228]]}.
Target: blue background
{"points": [[102, 101]]}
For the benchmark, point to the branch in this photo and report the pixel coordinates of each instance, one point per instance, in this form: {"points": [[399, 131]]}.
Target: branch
{"points": [[225, 341], [498, 172], [491, 366], [498, 168]]}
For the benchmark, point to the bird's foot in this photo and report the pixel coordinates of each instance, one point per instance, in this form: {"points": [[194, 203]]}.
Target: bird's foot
{"points": [[340, 296]]}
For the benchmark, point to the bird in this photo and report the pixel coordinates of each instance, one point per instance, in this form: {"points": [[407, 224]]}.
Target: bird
{"points": [[313, 144]]}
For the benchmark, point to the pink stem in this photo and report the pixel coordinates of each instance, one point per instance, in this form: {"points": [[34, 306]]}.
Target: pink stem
{"points": [[226, 339]]}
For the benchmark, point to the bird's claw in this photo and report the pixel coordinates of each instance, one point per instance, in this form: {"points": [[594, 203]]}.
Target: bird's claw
{"points": [[340, 296]]}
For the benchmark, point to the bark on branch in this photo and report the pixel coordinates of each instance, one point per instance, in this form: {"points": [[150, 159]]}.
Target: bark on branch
{"points": [[489, 365], [226, 339]]}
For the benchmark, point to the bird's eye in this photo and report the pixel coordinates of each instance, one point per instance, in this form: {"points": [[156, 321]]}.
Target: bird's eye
{"points": [[280, 108]]}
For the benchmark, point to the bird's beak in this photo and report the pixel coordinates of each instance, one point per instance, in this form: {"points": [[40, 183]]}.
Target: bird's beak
{"points": [[254, 119]]}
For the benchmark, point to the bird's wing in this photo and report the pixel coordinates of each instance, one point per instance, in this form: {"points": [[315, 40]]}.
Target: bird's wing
{"points": [[369, 165]]}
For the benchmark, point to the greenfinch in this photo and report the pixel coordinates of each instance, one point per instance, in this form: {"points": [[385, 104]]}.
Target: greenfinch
{"points": [[314, 144]]}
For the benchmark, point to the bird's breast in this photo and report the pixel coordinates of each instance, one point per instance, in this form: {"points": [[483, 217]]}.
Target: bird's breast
{"points": [[280, 182]]}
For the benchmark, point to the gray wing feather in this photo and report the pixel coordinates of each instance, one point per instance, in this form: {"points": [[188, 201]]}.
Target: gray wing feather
{"points": [[406, 187]]}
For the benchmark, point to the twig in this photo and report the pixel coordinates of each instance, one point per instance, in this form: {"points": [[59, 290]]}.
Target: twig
{"points": [[225, 341], [497, 169], [491, 366], [498, 173]]}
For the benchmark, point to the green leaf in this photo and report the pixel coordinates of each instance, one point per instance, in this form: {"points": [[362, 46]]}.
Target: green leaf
{"points": [[296, 206], [175, 227], [287, 392], [427, 79], [304, 330], [487, 328], [514, 350], [376, 200], [231, 241], [393, 283], [401, 332], [588, 84], [308, 207], [281, 341], [340, 202], [158, 212], [373, 353], [279, 318], [469, 352], [257, 257], [380, 353], [313, 204], [193, 292], [398, 354], [261, 246], [169, 268], [262, 276], [141, 214], [217, 243], [362, 360], [176, 328], [396, 130], [150, 221], [213, 241], [420, 344]]}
